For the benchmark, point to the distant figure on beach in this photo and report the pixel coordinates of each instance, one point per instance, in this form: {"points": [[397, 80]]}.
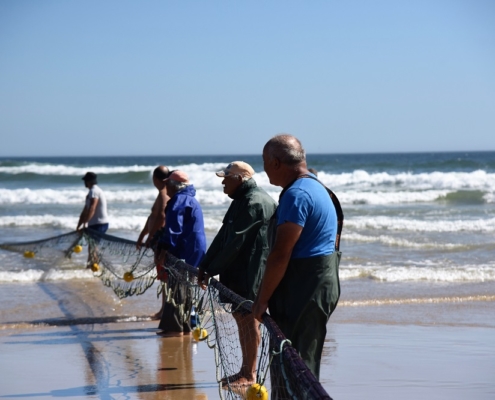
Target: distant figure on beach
{"points": [[94, 212], [300, 286], [313, 171], [156, 221], [184, 237], [238, 253]]}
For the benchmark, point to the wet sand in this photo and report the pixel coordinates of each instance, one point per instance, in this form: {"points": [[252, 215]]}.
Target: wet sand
{"points": [[431, 347], [105, 361]]}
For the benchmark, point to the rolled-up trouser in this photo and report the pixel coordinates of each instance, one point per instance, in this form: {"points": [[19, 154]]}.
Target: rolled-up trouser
{"points": [[176, 318]]}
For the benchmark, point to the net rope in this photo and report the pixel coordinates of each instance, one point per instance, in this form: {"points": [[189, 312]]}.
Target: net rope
{"points": [[128, 271]]}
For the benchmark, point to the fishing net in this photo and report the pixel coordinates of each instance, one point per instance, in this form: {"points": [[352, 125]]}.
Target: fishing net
{"points": [[279, 369], [112, 259], [48, 249], [219, 313]]}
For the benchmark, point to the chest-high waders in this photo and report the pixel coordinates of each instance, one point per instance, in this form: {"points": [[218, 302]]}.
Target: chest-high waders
{"points": [[302, 304]]}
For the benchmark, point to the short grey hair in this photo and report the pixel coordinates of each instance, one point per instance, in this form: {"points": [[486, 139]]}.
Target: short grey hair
{"points": [[176, 184], [287, 148], [243, 178]]}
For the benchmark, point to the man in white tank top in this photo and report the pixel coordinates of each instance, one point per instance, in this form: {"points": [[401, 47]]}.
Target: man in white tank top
{"points": [[94, 212]]}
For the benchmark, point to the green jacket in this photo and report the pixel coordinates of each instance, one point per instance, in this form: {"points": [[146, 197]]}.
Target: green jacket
{"points": [[239, 251]]}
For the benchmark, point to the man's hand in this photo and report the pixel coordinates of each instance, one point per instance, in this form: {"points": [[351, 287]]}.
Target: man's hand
{"points": [[160, 260], [288, 234], [203, 278], [258, 309], [141, 243]]}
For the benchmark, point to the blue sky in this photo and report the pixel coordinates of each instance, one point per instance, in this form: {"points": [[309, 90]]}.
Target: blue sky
{"points": [[222, 77]]}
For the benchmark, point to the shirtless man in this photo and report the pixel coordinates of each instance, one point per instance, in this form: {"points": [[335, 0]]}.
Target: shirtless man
{"points": [[156, 219]]}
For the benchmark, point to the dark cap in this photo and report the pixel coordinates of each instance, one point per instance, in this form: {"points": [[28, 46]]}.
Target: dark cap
{"points": [[90, 176]]}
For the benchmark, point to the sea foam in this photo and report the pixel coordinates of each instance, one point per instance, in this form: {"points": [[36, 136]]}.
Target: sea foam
{"points": [[203, 175], [415, 225], [468, 273], [399, 242], [216, 197], [34, 275], [127, 223]]}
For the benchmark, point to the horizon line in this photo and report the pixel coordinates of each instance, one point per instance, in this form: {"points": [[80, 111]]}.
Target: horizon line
{"points": [[245, 154]]}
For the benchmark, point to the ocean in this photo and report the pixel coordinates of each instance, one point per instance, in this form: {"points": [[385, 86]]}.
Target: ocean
{"points": [[412, 217]]}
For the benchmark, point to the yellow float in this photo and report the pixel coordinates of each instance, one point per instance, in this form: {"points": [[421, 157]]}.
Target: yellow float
{"points": [[29, 254], [95, 267], [128, 277], [78, 249], [199, 334], [256, 392]]}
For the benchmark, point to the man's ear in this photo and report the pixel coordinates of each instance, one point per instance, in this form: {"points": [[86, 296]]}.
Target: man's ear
{"points": [[276, 163]]}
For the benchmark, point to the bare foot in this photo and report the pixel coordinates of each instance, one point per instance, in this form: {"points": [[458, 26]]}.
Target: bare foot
{"points": [[240, 382], [231, 378]]}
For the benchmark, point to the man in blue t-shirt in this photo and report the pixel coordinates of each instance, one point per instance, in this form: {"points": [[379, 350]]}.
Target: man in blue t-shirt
{"points": [[300, 286], [306, 203]]}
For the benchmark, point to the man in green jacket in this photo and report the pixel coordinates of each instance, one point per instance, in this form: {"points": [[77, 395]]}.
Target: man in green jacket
{"points": [[238, 253]]}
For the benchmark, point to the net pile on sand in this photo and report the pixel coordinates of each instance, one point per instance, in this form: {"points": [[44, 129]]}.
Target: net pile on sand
{"points": [[280, 371]]}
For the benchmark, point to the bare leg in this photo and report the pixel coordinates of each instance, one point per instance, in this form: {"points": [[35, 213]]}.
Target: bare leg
{"points": [[92, 256], [158, 315], [93, 242], [249, 339]]}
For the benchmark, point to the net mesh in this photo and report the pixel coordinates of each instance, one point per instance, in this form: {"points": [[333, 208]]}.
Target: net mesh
{"points": [[128, 271]]}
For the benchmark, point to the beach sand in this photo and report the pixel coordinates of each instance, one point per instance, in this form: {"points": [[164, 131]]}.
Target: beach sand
{"points": [[75, 340]]}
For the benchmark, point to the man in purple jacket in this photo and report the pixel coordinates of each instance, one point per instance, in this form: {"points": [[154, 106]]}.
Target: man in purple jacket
{"points": [[183, 236]]}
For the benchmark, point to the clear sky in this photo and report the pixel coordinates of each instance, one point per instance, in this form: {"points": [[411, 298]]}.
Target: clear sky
{"points": [[221, 77]]}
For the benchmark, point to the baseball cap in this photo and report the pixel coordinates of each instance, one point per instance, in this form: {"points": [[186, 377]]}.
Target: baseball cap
{"points": [[179, 176], [237, 168], [90, 176]]}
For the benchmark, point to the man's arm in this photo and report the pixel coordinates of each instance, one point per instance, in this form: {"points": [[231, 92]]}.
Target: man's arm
{"points": [[211, 253], [92, 208], [247, 222], [226, 259], [287, 236], [87, 213], [156, 220], [221, 255], [172, 232], [82, 218], [143, 233]]}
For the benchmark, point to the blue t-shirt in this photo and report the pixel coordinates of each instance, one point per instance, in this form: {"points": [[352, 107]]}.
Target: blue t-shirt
{"points": [[308, 204]]}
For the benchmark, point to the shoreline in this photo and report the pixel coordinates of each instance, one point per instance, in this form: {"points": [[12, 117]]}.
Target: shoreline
{"points": [[362, 301]]}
